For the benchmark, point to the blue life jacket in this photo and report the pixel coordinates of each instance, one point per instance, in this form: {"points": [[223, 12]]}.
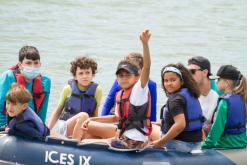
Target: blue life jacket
{"points": [[193, 115], [193, 112], [236, 114], [79, 101], [28, 124], [163, 112]]}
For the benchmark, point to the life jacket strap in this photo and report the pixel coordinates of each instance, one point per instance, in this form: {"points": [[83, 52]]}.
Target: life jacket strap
{"points": [[237, 126], [81, 95], [200, 118]]}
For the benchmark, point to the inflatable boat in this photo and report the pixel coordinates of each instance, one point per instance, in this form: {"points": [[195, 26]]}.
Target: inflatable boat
{"points": [[18, 150]]}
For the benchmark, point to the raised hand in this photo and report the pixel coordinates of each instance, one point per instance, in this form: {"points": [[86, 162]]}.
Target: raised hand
{"points": [[157, 144], [145, 36]]}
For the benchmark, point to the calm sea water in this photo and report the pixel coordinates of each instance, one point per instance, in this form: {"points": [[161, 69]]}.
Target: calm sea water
{"points": [[108, 30]]}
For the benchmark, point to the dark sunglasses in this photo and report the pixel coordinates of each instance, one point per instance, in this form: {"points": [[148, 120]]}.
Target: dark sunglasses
{"points": [[193, 71]]}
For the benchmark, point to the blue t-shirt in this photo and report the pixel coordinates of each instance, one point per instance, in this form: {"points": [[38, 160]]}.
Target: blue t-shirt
{"points": [[110, 99]]}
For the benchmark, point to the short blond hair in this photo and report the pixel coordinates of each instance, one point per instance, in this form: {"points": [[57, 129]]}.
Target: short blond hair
{"points": [[18, 94], [136, 58]]}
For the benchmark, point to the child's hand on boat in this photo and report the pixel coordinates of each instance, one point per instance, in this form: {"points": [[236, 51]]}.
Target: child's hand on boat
{"points": [[157, 144], [6, 129]]}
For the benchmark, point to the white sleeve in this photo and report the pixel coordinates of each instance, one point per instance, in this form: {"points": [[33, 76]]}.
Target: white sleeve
{"points": [[139, 95], [116, 111]]}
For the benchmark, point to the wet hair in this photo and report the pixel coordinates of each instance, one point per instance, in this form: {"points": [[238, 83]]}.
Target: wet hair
{"points": [[187, 79], [18, 94], [136, 58], [29, 52], [131, 62], [83, 62]]}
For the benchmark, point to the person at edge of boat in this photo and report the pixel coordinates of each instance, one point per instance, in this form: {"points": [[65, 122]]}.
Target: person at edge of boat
{"points": [[109, 105], [200, 69], [80, 98], [27, 73], [22, 120], [133, 105], [229, 127], [182, 114]]}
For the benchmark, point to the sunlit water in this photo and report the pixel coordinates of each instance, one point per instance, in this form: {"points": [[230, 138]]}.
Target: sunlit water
{"points": [[109, 30]]}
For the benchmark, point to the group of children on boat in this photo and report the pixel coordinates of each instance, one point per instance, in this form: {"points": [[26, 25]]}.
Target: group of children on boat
{"points": [[197, 113]]}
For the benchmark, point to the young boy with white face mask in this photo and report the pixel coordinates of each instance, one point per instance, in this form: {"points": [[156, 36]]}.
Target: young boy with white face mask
{"points": [[27, 73]]}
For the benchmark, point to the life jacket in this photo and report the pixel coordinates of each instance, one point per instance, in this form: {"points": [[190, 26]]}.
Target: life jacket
{"points": [[133, 116], [37, 92], [163, 112], [26, 119], [79, 101], [193, 112], [236, 114]]}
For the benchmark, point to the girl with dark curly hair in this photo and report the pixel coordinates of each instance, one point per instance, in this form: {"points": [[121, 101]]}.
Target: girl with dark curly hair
{"points": [[182, 114]]}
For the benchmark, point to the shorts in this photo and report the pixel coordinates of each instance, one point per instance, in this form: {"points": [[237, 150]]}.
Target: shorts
{"points": [[182, 146], [61, 128]]}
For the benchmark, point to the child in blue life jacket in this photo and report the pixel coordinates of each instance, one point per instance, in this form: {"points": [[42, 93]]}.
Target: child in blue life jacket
{"points": [[182, 115], [22, 120], [109, 105], [229, 127], [80, 98], [27, 73], [133, 105]]}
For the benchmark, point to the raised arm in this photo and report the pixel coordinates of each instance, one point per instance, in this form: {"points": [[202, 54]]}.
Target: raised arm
{"points": [[144, 37]]}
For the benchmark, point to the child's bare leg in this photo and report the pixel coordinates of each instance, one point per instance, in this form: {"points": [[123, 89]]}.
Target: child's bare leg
{"points": [[97, 141], [155, 135], [74, 125], [101, 130]]}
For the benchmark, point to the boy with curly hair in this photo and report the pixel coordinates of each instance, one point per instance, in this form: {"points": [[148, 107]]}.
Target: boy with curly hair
{"points": [[80, 98]]}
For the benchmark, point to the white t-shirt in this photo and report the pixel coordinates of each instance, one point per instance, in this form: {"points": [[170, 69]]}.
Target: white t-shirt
{"points": [[138, 97], [209, 103]]}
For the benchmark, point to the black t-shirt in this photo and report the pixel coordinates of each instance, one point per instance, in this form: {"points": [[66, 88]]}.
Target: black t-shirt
{"points": [[177, 105]]}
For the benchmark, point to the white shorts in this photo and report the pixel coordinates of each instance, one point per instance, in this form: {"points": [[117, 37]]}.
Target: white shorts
{"points": [[61, 128]]}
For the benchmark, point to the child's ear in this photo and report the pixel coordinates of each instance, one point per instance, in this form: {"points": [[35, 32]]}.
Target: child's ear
{"points": [[182, 83], [19, 64], [24, 106], [40, 63], [137, 77]]}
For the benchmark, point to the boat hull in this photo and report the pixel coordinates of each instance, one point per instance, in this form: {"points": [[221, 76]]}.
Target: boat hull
{"points": [[51, 151]]}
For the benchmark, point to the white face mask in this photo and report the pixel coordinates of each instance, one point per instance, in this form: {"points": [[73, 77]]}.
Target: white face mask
{"points": [[30, 72]]}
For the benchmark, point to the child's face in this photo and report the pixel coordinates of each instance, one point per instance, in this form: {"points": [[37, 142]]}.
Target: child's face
{"points": [[30, 63], [14, 109], [172, 82], [126, 79], [30, 68], [84, 76], [223, 84]]}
